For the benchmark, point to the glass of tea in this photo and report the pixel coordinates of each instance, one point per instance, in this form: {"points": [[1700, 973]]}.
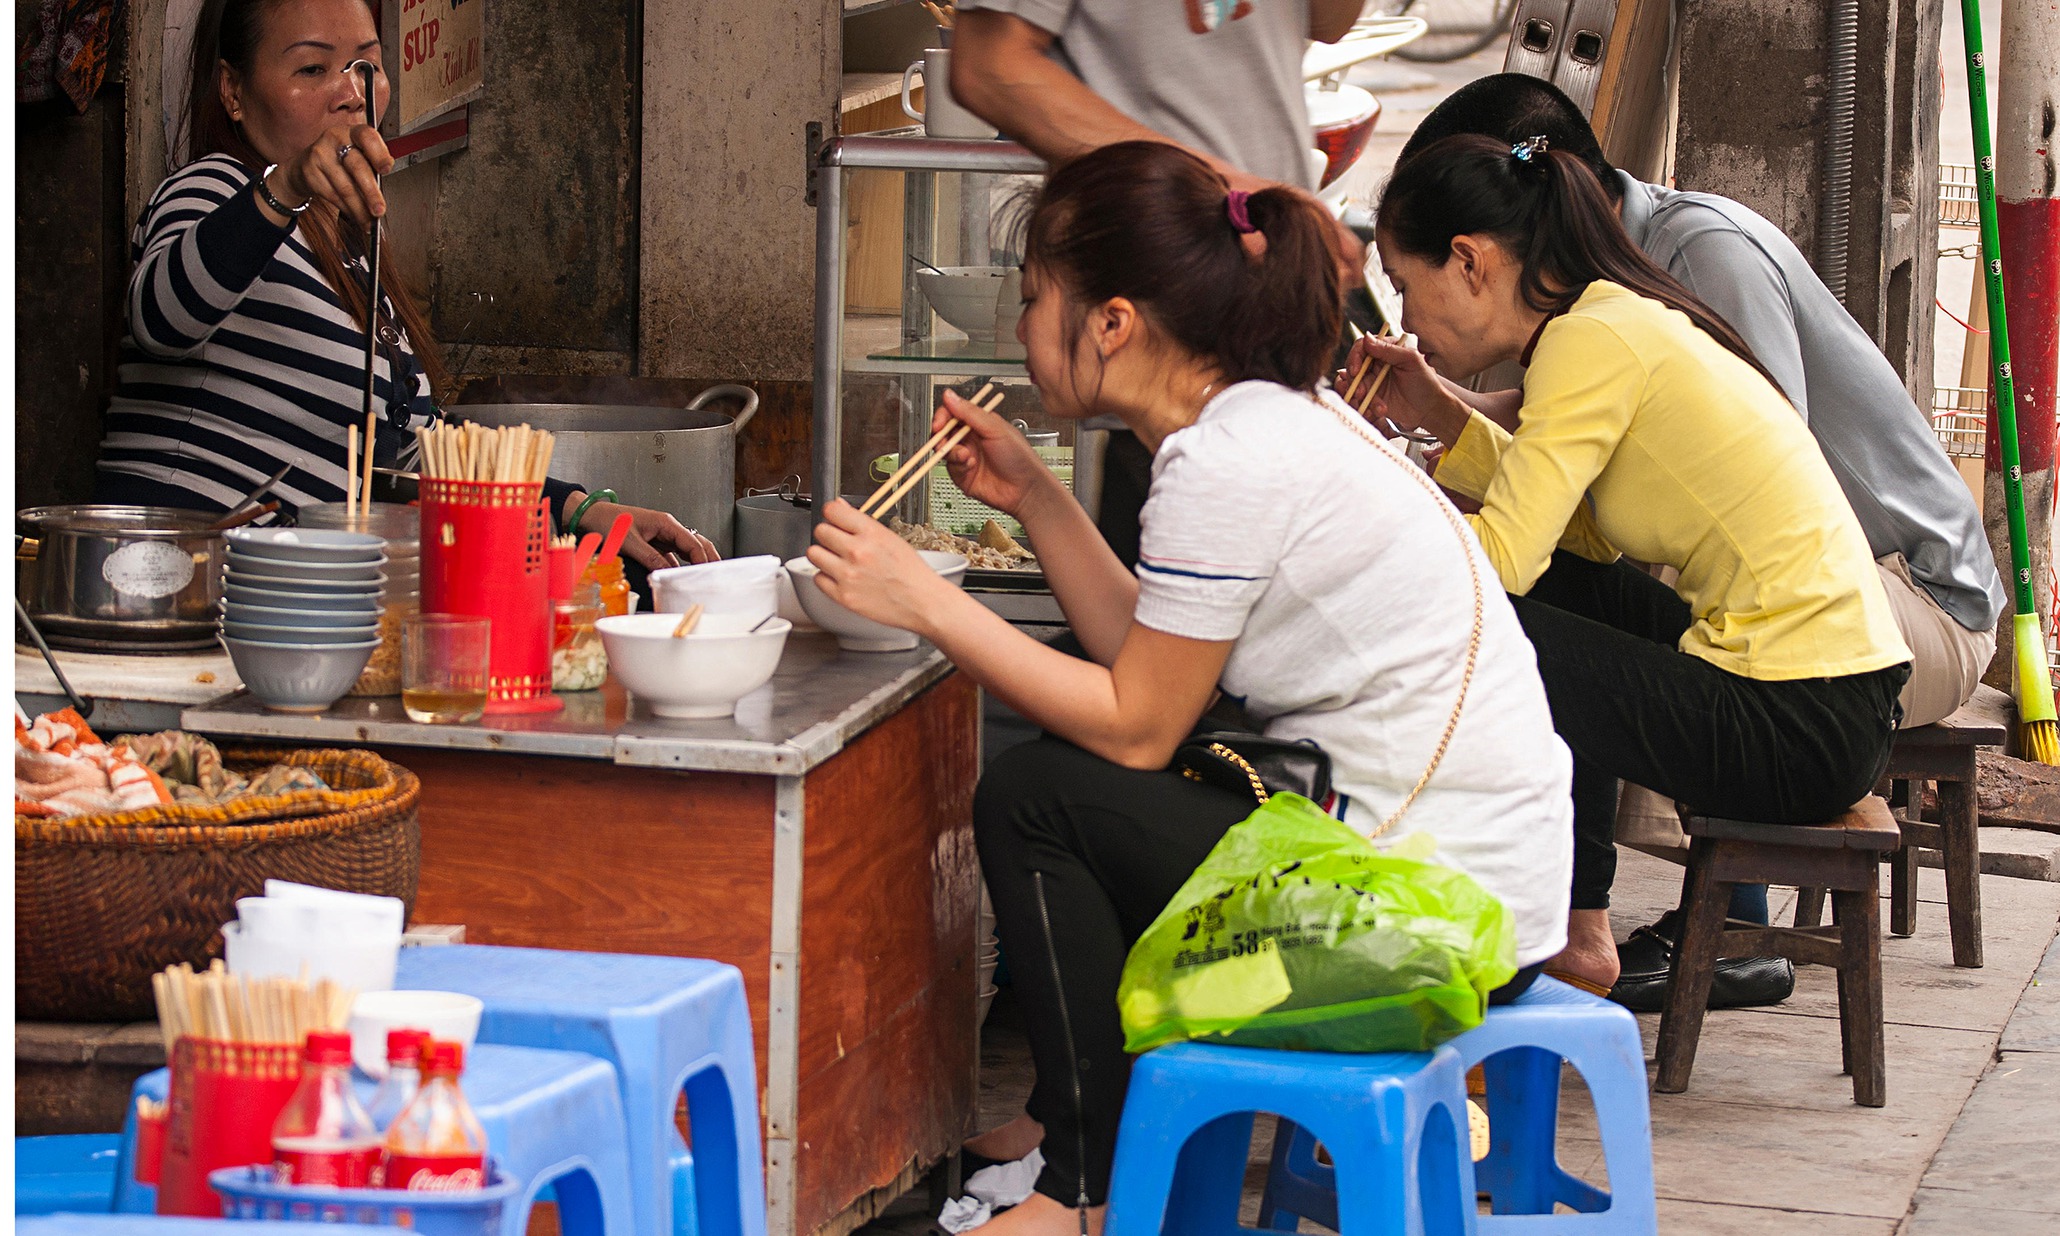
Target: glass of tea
{"points": [[444, 668]]}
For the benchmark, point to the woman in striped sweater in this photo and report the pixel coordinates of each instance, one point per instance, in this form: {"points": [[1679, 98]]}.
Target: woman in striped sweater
{"points": [[247, 308]]}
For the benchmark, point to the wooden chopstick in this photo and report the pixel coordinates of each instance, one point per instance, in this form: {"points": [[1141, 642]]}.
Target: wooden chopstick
{"points": [[867, 507], [688, 621], [928, 458], [350, 480]]}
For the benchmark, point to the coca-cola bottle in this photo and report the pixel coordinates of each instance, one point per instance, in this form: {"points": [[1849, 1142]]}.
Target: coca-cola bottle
{"points": [[403, 1076], [436, 1142], [324, 1137]]}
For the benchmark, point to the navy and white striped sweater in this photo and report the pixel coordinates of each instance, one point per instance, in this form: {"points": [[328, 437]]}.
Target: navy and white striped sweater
{"points": [[240, 358]]}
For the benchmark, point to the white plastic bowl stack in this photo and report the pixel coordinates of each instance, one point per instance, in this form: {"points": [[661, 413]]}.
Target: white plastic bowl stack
{"points": [[300, 612]]}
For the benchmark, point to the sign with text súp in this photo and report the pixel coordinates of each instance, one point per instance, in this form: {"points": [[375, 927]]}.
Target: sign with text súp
{"points": [[434, 49]]}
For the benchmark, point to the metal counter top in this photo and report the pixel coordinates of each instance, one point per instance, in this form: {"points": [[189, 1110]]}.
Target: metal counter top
{"points": [[819, 700]]}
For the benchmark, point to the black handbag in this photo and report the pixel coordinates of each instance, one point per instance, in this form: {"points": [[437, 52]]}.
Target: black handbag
{"points": [[1247, 763], [1251, 763]]}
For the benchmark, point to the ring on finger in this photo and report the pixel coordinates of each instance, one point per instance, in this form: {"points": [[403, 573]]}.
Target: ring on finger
{"points": [[343, 151]]}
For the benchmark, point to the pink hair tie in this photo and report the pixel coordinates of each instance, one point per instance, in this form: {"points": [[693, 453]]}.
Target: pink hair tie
{"points": [[1240, 212]]}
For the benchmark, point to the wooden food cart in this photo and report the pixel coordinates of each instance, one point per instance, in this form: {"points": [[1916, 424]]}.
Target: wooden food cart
{"points": [[820, 841]]}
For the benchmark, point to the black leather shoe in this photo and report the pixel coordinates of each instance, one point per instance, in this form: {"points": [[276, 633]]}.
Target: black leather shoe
{"points": [[1647, 959]]}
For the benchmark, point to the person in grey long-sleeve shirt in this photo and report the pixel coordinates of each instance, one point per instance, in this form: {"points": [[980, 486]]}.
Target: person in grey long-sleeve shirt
{"points": [[1920, 520]]}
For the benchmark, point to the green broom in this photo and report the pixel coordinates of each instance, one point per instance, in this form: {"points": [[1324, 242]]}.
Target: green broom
{"points": [[2038, 728]]}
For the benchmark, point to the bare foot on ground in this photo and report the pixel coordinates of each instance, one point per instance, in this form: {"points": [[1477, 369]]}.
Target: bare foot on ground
{"points": [[1591, 951]]}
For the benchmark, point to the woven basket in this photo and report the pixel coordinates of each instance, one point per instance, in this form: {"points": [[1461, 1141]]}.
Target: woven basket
{"points": [[101, 903]]}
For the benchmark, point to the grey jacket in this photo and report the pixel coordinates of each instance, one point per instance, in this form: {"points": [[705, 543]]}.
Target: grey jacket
{"points": [[1907, 494]]}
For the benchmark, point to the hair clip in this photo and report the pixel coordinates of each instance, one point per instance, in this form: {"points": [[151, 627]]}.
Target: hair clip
{"points": [[1528, 150]]}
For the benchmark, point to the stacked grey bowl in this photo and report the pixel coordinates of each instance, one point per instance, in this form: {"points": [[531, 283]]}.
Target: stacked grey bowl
{"points": [[300, 612]]}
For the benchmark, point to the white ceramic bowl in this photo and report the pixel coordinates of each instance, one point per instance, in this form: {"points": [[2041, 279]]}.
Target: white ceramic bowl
{"points": [[298, 677], [300, 577], [304, 545], [235, 629], [448, 1016], [239, 611], [965, 296], [735, 595], [365, 598], [856, 634], [698, 675]]}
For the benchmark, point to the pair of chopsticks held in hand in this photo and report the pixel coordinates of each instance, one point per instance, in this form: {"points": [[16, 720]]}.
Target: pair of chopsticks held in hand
{"points": [[1364, 405], [919, 463]]}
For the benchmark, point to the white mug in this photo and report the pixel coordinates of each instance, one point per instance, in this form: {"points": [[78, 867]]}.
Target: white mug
{"points": [[941, 115]]}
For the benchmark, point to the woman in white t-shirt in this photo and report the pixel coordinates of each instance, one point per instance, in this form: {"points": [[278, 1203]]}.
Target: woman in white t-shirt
{"points": [[1289, 557]]}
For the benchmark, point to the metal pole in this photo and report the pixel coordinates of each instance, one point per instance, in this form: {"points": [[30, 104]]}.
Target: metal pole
{"points": [[2026, 61], [827, 449]]}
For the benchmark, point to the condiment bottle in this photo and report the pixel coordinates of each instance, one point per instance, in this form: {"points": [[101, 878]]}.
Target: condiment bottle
{"points": [[403, 1076], [436, 1143], [324, 1137], [614, 585]]}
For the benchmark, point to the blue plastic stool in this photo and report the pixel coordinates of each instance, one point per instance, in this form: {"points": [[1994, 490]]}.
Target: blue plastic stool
{"points": [[68, 1174], [668, 1024], [1395, 1122], [551, 1118], [1519, 1047], [152, 1225]]}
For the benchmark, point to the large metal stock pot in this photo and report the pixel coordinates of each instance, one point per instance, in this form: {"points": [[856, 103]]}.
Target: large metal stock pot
{"points": [[681, 460], [120, 578]]}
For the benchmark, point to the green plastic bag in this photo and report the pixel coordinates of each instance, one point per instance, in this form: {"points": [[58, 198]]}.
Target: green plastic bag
{"points": [[1296, 932]]}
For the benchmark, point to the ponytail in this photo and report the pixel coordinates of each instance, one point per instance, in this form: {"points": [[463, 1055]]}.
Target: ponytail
{"points": [[1546, 207], [1247, 281]]}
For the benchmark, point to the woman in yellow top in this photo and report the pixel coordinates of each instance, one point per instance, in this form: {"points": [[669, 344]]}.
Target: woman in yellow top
{"points": [[1763, 685]]}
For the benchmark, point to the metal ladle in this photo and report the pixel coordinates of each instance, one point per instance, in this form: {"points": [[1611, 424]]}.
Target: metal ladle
{"points": [[368, 73]]}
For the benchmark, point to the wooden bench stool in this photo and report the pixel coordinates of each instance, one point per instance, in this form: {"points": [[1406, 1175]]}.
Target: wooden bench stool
{"points": [[1841, 855], [1944, 753]]}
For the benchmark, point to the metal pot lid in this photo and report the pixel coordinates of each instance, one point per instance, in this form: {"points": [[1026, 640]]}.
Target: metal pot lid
{"points": [[127, 521]]}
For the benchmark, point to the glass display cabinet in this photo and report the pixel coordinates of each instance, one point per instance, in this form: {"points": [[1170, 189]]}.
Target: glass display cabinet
{"points": [[916, 238]]}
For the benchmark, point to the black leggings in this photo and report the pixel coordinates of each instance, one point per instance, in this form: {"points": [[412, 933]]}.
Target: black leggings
{"points": [[1080, 856], [1631, 706]]}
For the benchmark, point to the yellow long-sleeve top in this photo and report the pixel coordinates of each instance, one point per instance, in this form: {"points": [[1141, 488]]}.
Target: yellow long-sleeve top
{"points": [[1639, 433]]}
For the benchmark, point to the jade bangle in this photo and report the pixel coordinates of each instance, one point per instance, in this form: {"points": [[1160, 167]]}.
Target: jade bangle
{"points": [[571, 526]]}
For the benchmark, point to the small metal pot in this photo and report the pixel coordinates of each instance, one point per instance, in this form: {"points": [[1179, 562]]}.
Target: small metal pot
{"points": [[120, 578], [780, 523]]}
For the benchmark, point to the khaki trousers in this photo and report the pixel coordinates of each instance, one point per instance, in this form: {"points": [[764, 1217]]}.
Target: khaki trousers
{"points": [[1947, 663]]}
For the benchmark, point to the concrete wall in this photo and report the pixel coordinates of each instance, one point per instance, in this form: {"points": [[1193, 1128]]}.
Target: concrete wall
{"points": [[533, 264], [1756, 135], [728, 251]]}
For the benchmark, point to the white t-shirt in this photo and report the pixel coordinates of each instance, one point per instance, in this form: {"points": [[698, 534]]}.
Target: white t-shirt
{"points": [[1273, 524]]}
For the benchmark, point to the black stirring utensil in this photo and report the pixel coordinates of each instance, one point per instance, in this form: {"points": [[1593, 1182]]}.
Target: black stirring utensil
{"points": [[83, 706], [369, 75]]}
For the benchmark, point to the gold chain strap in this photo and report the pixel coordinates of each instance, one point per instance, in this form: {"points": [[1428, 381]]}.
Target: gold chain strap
{"points": [[1473, 639], [1222, 752]]}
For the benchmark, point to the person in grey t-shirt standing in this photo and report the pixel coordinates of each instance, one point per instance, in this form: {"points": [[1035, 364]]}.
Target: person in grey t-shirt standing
{"points": [[1921, 523], [1220, 78]]}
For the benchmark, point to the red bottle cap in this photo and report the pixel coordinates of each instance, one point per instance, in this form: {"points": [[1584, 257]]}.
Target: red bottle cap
{"points": [[328, 1047], [444, 1058], [405, 1046]]}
